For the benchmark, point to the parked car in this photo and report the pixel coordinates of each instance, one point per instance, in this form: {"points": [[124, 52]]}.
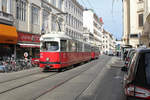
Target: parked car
{"points": [[2, 68], [124, 50], [137, 79], [127, 59]]}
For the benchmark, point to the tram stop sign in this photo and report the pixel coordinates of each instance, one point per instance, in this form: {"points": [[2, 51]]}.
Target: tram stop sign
{"points": [[25, 54]]}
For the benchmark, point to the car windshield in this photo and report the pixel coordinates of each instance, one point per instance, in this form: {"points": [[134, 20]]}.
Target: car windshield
{"points": [[147, 67], [143, 70]]}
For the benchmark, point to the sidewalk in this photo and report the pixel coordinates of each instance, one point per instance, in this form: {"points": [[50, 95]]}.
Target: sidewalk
{"points": [[117, 62]]}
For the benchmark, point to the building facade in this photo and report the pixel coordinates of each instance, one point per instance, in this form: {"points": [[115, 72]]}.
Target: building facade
{"points": [[31, 18], [109, 42], [8, 33], [93, 23], [134, 19], [74, 19], [145, 37]]}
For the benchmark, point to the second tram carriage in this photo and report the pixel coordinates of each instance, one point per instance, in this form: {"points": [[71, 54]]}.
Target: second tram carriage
{"points": [[58, 51]]}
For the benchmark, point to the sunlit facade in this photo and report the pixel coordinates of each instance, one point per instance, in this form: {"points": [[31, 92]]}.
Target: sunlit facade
{"points": [[93, 23], [74, 19], [133, 16]]}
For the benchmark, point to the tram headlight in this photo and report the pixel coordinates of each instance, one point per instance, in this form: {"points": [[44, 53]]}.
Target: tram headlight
{"points": [[47, 59]]}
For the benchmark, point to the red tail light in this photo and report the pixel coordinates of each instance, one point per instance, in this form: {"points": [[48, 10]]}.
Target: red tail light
{"points": [[137, 92]]}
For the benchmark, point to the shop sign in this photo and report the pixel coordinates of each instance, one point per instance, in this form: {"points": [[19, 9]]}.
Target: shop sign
{"points": [[22, 37]]}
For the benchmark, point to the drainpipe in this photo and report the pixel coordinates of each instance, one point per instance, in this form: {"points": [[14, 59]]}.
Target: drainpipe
{"points": [[128, 20]]}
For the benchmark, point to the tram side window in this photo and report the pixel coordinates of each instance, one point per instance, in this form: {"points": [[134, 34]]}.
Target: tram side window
{"points": [[73, 49], [87, 48], [72, 46], [80, 46], [63, 45]]}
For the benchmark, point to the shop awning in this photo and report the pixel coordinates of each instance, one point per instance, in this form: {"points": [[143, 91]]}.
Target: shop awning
{"points": [[29, 45], [8, 34]]}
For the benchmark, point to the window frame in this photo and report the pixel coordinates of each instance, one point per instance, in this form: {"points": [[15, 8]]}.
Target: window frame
{"points": [[35, 15], [141, 20], [21, 10]]}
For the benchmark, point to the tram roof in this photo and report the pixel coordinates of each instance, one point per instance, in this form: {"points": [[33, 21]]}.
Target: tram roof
{"points": [[56, 35]]}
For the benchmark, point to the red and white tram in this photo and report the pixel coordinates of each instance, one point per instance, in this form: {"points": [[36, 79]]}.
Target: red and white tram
{"points": [[95, 52], [59, 51]]}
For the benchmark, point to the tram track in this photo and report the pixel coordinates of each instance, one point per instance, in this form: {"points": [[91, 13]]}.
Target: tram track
{"points": [[77, 97], [15, 87], [20, 77], [48, 77], [60, 84]]}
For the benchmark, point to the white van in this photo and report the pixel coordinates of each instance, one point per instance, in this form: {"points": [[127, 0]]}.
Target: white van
{"points": [[110, 53]]}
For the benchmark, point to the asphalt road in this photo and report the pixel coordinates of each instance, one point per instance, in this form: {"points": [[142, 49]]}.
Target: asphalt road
{"points": [[95, 80]]}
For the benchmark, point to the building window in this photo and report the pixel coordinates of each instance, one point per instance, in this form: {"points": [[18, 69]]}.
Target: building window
{"points": [[140, 20], [35, 15], [69, 19], [60, 4], [133, 35], [53, 28], [60, 22], [140, 0], [66, 3], [67, 31], [45, 20], [69, 5], [21, 6], [53, 2], [66, 21], [4, 5]]}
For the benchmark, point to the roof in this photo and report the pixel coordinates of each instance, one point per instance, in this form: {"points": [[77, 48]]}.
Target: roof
{"points": [[142, 50], [55, 35]]}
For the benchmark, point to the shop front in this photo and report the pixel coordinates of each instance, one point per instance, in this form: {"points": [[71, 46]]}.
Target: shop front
{"points": [[28, 44], [8, 41]]}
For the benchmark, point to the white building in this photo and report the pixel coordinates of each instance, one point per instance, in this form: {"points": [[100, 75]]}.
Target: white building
{"points": [[109, 42], [92, 22], [74, 19]]}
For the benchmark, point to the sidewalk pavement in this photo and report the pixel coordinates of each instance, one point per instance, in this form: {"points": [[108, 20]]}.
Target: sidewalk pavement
{"points": [[117, 62]]}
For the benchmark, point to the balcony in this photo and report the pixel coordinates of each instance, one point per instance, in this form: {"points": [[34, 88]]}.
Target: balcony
{"points": [[6, 18]]}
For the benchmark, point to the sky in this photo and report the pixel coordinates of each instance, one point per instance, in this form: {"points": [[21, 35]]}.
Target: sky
{"points": [[110, 11]]}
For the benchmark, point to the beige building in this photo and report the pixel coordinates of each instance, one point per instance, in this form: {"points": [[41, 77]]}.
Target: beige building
{"points": [[146, 30], [133, 19], [28, 19]]}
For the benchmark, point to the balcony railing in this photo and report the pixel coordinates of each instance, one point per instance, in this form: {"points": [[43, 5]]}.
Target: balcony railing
{"points": [[6, 18]]}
